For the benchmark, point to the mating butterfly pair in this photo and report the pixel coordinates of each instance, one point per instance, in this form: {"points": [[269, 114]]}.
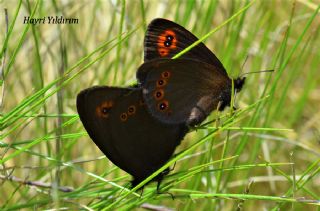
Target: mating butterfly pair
{"points": [[138, 128]]}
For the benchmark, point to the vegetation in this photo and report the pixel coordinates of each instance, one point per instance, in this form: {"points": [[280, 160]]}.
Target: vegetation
{"points": [[264, 155]]}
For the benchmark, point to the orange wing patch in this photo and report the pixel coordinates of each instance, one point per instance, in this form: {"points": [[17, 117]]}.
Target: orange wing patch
{"points": [[166, 74], [161, 83], [158, 94], [167, 41], [103, 109]]}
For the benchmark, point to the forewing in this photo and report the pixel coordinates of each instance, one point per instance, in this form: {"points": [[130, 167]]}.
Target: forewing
{"points": [[164, 39]]}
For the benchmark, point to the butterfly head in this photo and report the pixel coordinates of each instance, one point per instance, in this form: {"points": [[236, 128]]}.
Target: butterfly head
{"points": [[238, 84], [225, 96]]}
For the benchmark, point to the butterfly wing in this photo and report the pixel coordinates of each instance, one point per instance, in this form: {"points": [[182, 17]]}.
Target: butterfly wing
{"points": [[182, 90], [117, 121], [90, 104], [164, 39]]}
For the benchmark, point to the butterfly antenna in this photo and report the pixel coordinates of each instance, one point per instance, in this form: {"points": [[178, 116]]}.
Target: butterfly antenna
{"points": [[247, 73], [261, 71], [241, 74], [245, 61]]}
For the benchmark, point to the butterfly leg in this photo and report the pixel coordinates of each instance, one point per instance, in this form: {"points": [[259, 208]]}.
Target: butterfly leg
{"points": [[141, 192], [166, 192], [136, 182], [159, 180], [174, 165]]}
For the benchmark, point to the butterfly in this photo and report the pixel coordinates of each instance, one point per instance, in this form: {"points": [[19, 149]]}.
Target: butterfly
{"points": [[184, 90], [138, 128]]}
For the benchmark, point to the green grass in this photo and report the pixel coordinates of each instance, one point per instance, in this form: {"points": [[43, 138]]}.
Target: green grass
{"points": [[264, 155]]}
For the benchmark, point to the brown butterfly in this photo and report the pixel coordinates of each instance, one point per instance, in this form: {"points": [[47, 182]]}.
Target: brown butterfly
{"points": [[138, 128], [183, 90]]}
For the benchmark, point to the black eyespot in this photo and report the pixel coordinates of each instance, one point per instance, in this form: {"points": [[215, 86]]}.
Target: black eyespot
{"points": [[169, 37], [105, 110], [131, 110], [160, 82], [165, 74], [163, 105], [158, 94], [167, 43], [123, 117]]}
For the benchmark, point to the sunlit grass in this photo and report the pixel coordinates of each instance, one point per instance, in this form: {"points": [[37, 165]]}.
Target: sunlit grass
{"points": [[264, 155]]}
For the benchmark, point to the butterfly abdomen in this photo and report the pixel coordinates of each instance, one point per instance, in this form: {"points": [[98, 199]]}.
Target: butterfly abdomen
{"points": [[224, 99]]}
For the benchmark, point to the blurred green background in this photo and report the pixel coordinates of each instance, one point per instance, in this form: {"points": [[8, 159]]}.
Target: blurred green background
{"points": [[250, 162]]}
